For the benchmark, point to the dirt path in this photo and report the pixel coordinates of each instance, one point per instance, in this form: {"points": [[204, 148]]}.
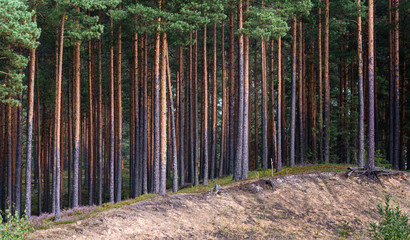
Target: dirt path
{"points": [[306, 206]]}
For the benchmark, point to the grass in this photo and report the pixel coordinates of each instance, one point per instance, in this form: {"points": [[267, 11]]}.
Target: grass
{"points": [[46, 221]]}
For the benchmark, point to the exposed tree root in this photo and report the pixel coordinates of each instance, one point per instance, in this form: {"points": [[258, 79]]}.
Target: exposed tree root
{"points": [[373, 175]]}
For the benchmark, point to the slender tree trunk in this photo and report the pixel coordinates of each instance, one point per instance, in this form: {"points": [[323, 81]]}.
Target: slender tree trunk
{"points": [[118, 105], [90, 126], [240, 126], [264, 106], [100, 121], [181, 117], [205, 100], [396, 65], [58, 120], [279, 142], [214, 106], [360, 86], [156, 113], [30, 111], [391, 86], [163, 114], [293, 106], [256, 107], [231, 91], [371, 127], [173, 128], [195, 110], [112, 118], [301, 100], [327, 87], [245, 150], [19, 156], [222, 158], [319, 42]]}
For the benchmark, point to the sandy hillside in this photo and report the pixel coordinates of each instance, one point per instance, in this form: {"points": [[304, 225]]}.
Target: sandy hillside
{"points": [[305, 206]]}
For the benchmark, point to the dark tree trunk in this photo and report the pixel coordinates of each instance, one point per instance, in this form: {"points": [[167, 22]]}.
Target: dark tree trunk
{"points": [[181, 117], [293, 106], [396, 65], [279, 142], [239, 137], [360, 86], [205, 100], [327, 87], [214, 106]]}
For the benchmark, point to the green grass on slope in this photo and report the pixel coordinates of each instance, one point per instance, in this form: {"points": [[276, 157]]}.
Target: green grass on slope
{"points": [[46, 221]]}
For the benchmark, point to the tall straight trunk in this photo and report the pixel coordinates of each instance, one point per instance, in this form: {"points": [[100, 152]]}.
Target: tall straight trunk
{"points": [[57, 120], [391, 86], [112, 114], [9, 155], [222, 158], [205, 100], [181, 117], [163, 114], [156, 113], [19, 155], [301, 100], [272, 81], [313, 105], [195, 109], [293, 106], [191, 114], [2, 163], [239, 138], [264, 106], [214, 106], [231, 158], [371, 127], [145, 117], [360, 86], [396, 65], [173, 127], [245, 150], [327, 87], [90, 126], [256, 107], [119, 119], [76, 122], [319, 43], [279, 142], [100, 121], [30, 114], [135, 147]]}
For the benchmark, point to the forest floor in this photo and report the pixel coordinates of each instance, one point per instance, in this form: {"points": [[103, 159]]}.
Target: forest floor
{"points": [[310, 205]]}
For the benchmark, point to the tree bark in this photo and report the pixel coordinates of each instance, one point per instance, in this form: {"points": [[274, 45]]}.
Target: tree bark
{"points": [[293, 104], [327, 88], [371, 127], [163, 117], [279, 142], [360, 86]]}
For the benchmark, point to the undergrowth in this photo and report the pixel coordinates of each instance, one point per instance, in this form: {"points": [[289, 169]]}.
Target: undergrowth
{"points": [[393, 224]]}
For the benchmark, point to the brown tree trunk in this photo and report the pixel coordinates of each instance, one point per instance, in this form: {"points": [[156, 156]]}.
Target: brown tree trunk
{"points": [[163, 117], [327, 87], [57, 120], [112, 116], [396, 65], [90, 127], [371, 127], [118, 107], [280, 89], [30, 111]]}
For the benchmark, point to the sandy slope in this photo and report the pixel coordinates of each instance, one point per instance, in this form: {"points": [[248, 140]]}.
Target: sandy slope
{"points": [[306, 206]]}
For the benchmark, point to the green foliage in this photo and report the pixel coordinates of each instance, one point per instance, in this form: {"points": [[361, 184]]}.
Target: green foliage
{"points": [[12, 227], [393, 225], [17, 31], [380, 160]]}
